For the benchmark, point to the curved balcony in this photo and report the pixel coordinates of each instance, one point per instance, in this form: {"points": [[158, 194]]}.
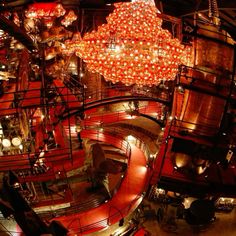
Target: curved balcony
{"points": [[125, 199]]}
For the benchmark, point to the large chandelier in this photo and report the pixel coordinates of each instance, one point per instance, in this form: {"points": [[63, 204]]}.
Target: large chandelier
{"points": [[132, 47]]}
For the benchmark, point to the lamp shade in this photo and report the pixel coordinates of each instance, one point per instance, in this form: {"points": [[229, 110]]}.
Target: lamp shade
{"points": [[6, 143], [16, 141]]}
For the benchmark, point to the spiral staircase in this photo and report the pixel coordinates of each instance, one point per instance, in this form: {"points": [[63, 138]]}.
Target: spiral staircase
{"points": [[90, 151]]}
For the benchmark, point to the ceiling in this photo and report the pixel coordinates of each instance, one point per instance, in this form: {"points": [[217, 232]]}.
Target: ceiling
{"points": [[187, 8]]}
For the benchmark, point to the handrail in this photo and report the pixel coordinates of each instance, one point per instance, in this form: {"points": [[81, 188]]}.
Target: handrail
{"points": [[75, 208], [87, 122], [154, 110], [78, 207], [199, 25], [124, 146], [120, 91], [107, 92], [159, 95], [205, 70], [217, 81], [106, 221], [202, 131], [116, 140], [110, 218], [22, 161], [100, 98], [138, 142]]}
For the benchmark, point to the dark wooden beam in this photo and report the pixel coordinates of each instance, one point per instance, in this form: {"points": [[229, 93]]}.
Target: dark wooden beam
{"points": [[19, 34], [182, 7]]}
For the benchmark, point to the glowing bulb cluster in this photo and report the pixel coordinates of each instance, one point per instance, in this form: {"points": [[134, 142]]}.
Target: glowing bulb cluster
{"points": [[43, 10], [69, 18], [132, 47]]}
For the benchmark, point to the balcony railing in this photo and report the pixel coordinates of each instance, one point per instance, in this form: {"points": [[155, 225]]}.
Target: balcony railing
{"points": [[117, 213], [206, 80]]}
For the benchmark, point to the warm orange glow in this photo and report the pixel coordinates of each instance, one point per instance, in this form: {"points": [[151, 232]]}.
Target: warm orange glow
{"points": [[43, 10], [132, 47], [69, 18]]}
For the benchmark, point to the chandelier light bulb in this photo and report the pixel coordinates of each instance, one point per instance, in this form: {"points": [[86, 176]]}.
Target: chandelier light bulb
{"points": [[132, 47]]}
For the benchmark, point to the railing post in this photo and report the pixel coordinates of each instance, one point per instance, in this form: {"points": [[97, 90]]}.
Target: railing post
{"points": [[79, 224], [120, 213]]}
